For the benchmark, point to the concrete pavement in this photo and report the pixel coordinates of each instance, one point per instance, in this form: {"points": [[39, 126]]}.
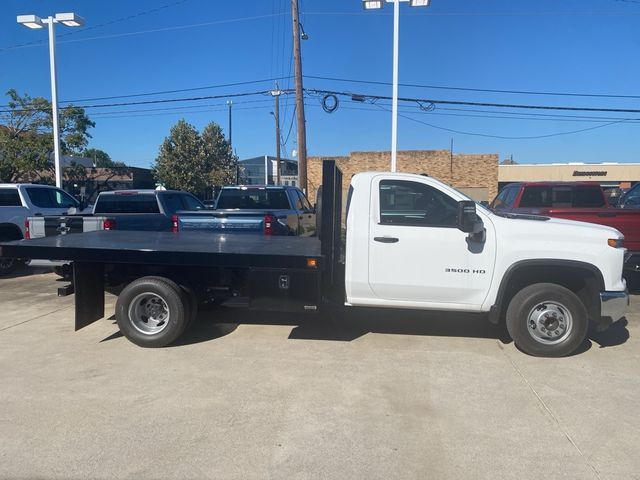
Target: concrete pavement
{"points": [[372, 394]]}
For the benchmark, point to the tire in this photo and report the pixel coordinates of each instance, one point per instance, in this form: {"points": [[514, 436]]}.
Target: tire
{"points": [[189, 297], [151, 312], [547, 320], [8, 265]]}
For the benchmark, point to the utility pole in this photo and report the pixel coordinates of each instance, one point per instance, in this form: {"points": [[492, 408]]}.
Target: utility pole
{"points": [[276, 93], [230, 105], [302, 134]]}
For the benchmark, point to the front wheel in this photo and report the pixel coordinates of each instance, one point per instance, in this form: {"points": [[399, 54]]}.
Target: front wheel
{"points": [[151, 312], [547, 320]]}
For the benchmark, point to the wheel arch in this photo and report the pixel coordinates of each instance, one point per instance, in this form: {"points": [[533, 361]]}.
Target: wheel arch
{"points": [[10, 231], [582, 278]]}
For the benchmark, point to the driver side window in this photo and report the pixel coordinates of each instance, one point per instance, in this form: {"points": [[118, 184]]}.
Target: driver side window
{"points": [[411, 203]]}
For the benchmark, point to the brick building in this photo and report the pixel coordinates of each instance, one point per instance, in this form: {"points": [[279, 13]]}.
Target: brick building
{"points": [[474, 174]]}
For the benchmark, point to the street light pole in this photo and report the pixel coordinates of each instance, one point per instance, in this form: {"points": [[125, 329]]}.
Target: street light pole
{"points": [[276, 94], [35, 22], [394, 101], [54, 100], [236, 166], [374, 5]]}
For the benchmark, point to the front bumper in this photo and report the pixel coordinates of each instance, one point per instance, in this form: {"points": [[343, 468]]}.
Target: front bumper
{"points": [[613, 306]]}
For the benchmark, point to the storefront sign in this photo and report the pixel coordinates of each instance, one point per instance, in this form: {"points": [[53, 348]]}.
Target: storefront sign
{"points": [[598, 173]]}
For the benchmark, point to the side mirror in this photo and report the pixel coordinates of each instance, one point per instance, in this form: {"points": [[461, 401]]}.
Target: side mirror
{"points": [[468, 220]]}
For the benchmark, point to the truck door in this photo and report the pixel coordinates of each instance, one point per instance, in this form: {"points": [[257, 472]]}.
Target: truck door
{"points": [[416, 252]]}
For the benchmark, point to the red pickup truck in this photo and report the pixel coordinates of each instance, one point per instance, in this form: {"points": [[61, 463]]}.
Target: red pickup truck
{"points": [[581, 201]]}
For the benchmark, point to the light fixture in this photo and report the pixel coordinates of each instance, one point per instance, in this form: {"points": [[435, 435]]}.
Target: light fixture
{"points": [[372, 4], [304, 35], [30, 21], [69, 19]]}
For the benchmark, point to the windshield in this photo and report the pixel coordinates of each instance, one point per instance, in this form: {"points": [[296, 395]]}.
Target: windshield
{"points": [[253, 199]]}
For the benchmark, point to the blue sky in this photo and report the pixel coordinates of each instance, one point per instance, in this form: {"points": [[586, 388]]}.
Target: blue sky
{"points": [[134, 47]]}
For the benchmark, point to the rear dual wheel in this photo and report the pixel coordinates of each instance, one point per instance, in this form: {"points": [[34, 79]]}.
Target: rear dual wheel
{"points": [[155, 311]]}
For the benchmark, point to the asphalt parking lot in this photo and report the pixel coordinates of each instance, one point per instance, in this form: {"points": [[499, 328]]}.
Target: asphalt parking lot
{"points": [[372, 394]]}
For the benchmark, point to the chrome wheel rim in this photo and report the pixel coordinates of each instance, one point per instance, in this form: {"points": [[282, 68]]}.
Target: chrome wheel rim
{"points": [[149, 313], [549, 323]]}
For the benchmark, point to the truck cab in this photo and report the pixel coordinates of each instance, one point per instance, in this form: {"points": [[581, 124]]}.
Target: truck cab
{"points": [[414, 242]]}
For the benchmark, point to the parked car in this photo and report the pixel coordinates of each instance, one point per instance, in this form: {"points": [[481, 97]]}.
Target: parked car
{"points": [[140, 210], [580, 201], [270, 209], [20, 201], [630, 198]]}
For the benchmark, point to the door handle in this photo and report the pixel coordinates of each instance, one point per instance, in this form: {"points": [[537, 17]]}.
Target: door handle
{"points": [[386, 239]]}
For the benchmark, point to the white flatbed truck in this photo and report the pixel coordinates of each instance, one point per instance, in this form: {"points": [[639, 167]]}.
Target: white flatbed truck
{"points": [[411, 242]]}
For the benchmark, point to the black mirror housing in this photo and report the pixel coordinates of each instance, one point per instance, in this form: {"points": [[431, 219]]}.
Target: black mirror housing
{"points": [[468, 220]]}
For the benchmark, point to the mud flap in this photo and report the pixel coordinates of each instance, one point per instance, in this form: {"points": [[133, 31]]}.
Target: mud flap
{"points": [[88, 281]]}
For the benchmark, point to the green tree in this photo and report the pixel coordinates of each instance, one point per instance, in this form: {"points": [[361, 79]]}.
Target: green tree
{"points": [[26, 137], [220, 162], [193, 162]]}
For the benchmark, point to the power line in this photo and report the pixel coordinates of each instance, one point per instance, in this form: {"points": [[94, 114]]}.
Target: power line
{"points": [[101, 116], [169, 100], [155, 30], [464, 89], [164, 92], [372, 98], [182, 108], [568, 118], [477, 104], [503, 137], [293, 117], [99, 25], [486, 14]]}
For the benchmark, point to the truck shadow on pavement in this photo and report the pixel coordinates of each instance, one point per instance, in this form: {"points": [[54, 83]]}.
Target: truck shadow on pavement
{"points": [[615, 335], [349, 325], [346, 326], [27, 272]]}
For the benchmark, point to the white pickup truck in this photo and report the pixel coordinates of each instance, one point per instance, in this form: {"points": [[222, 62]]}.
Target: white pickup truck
{"points": [[411, 242], [20, 201]]}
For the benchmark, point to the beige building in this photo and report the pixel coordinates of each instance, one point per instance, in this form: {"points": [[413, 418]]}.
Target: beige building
{"points": [[609, 175], [474, 174]]}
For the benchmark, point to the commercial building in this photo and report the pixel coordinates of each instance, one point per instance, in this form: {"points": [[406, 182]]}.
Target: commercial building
{"points": [[608, 175], [262, 171], [97, 180], [474, 174]]}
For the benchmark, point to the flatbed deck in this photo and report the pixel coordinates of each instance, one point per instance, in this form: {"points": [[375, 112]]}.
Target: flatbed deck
{"points": [[202, 249]]}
